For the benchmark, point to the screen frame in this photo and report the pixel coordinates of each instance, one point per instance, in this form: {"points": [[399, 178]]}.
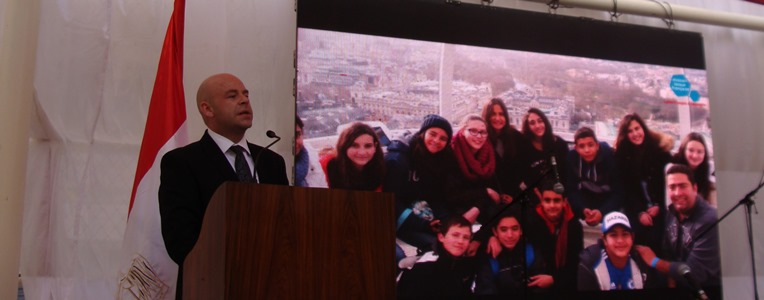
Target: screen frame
{"points": [[480, 25]]}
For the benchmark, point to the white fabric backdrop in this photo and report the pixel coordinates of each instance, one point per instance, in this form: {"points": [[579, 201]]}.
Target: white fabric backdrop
{"points": [[96, 63], [98, 60]]}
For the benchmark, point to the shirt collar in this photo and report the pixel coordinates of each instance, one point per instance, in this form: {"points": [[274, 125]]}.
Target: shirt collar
{"points": [[225, 144]]}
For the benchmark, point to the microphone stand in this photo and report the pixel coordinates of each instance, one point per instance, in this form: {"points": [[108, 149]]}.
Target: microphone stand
{"points": [[748, 202], [272, 135], [522, 196]]}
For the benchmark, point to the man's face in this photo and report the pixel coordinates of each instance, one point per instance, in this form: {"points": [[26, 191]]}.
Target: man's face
{"points": [[551, 205], [456, 240], [681, 192], [587, 148], [227, 109], [508, 232], [618, 242]]}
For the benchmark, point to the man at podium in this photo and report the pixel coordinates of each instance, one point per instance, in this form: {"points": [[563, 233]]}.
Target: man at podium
{"points": [[191, 174]]}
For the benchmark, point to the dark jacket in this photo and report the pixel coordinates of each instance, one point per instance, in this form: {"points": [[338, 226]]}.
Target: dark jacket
{"points": [[414, 180], [508, 162], [595, 185], [463, 194], [437, 277], [644, 186], [536, 164], [189, 177], [700, 253], [364, 180], [592, 263], [545, 241], [505, 275], [643, 178]]}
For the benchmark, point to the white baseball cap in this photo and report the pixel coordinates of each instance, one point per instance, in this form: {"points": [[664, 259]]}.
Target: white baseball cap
{"points": [[615, 218]]}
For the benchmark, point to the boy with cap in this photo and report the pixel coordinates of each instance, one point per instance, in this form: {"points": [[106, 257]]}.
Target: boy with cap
{"points": [[613, 263]]}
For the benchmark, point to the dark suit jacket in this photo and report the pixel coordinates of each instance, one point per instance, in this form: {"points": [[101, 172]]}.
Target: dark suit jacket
{"points": [[189, 177]]}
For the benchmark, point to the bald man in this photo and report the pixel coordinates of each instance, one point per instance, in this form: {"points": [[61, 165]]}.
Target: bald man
{"points": [[191, 174]]}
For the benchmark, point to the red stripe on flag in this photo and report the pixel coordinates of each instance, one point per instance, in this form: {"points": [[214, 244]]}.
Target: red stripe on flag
{"points": [[167, 110]]}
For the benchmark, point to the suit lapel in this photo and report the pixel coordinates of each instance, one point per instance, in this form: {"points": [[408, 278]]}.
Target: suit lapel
{"points": [[215, 159]]}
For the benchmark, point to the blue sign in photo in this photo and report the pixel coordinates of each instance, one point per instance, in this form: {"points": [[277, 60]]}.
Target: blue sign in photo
{"points": [[695, 96], [680, 85]]}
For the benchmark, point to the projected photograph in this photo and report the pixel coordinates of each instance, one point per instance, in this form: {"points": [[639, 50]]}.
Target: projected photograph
{"points": [[513, 171]]}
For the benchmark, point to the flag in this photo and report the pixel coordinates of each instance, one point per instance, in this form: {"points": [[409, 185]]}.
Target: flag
{"points": [[147, 271]]}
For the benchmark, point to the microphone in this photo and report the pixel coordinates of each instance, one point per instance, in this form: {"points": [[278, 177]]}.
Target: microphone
{"points": [[269, 134], [272, 135], [683, 270], [557, 187]]}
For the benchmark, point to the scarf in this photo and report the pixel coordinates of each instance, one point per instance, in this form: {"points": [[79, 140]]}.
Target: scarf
{"points": [[480, 165], [561, 246], [301, 166]]}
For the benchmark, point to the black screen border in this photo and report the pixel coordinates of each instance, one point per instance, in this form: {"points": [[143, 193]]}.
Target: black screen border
{"points": [[505, 28]]}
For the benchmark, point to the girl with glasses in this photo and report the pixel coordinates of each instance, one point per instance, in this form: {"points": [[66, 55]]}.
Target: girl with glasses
{"points": [[474, 186]]}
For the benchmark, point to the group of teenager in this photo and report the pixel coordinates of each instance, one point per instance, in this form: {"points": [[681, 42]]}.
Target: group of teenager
{"points": [[445, 182]]}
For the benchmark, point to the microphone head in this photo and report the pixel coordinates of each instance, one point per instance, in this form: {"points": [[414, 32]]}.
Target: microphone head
{"points": [[558, 188], [271, 134], [683, 269]]}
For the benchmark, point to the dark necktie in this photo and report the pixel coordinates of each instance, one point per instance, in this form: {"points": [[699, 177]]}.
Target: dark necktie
{"points": [[242, 168]]}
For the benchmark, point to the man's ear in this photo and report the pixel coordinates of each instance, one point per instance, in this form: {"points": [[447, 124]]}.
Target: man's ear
{"points": [[206, 110]]}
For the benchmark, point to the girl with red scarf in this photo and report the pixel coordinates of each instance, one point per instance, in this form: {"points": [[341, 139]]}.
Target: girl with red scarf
{"points": [[475, 190]]}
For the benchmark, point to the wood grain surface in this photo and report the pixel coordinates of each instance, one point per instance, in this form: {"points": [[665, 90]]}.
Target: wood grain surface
{"points": [[280, 242]]}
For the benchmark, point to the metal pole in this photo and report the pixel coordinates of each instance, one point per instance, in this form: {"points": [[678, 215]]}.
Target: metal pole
{"points": [[665, 10]]}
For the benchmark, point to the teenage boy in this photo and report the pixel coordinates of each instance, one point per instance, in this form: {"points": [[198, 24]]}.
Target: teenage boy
{"points": [[594, 184], [444, 272], [517, 268], [613, 263], [558, 235]]}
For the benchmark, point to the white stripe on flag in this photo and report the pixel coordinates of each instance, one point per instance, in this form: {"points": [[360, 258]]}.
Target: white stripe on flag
{"points": [[150, 273]]}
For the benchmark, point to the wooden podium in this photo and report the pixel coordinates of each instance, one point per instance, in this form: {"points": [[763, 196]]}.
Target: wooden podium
{"points": [[263, 241]]}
